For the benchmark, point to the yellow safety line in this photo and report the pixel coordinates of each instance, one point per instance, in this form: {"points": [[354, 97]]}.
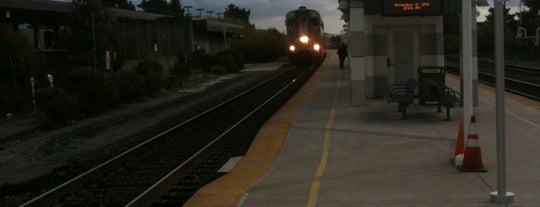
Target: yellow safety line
{"points": [[324, 157], [513, 114]]}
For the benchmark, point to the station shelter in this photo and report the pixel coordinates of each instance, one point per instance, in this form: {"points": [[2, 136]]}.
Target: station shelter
{"points": [[389, 40], [46, 23], [213, 35]]}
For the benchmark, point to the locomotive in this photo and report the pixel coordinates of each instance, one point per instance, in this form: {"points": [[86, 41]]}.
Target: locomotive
{"points": [[305, 36]]}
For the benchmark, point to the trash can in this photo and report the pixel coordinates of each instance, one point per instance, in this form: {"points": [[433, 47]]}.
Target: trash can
{"points": [[427, 77]]}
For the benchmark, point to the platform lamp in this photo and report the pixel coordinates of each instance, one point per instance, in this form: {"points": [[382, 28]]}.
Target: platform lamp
{"points": [[8, 14], [219, 15], [482, 3], [501, 195], [209, 14], [200, 11], [188, 7]]}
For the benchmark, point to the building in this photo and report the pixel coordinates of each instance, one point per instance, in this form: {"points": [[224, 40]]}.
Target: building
{"points": [[388, 41], [125, 36], [214, 36]]}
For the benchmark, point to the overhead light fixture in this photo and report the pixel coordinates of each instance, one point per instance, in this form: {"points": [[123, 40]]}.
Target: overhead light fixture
{"points": [[8, 14], [482, 3]]}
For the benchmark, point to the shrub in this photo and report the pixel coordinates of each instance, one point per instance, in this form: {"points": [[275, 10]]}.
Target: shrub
{"points": [[147, 66], [154, 82], [238, 59], [262, 45], [7, 102], [94, 91], [199, 59], [57, 104], [181, 68], [226, 60], [151, 71], [130, 86]]}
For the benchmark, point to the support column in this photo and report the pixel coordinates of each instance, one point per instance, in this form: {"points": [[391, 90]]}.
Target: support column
{"points": [[369, 60], [467, 63], [377, 55], [357, 48], [431, 44], [474, 55], [37, 31]]}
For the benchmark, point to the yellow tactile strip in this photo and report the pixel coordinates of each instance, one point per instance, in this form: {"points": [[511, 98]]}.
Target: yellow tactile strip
{"points": [[264, 151]]}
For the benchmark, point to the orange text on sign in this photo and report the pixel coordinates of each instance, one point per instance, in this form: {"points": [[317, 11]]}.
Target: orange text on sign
{"points": [[412, 6]]}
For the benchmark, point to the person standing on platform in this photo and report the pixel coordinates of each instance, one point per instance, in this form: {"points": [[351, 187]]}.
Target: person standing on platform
{"points": [[342, 53]]}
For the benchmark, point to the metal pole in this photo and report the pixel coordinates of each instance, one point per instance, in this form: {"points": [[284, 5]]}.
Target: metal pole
{"points": [[467, 66], [200, 11], [15, 87], [501, 195], [94, 39]]}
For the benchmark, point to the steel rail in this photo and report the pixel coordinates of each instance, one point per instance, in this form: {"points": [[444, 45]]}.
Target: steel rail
{"points": [[151, 194], [48, 198], [513, 85]]}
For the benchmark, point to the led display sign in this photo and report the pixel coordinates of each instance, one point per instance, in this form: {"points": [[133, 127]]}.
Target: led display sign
{"points": [[412, 7]]}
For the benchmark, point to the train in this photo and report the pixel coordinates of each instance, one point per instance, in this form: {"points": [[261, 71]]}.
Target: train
{"points": [[305, 36]]}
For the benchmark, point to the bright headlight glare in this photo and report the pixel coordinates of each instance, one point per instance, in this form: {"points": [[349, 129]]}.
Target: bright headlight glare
{"points": [[316, 47], [304, 39], [292, 48]]}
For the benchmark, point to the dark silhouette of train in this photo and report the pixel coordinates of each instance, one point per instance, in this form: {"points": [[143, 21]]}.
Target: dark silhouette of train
{"points": [[305, 36]]}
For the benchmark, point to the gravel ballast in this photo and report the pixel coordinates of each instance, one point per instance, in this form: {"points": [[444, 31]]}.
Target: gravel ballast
{"points": [[33, 162]]}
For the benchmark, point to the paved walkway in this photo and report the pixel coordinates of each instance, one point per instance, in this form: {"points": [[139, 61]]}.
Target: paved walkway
{"points": [[336, 154]]}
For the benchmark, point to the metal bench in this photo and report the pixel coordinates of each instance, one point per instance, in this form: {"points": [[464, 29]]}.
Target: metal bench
{"points": [[401, 93], [446, 97]]}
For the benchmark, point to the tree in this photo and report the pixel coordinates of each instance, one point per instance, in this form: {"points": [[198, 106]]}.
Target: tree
{"points": [[81, 38], [530, 19], [486, 32], [534, 5], [174, 7], [155, 6], [91, 28], [261, 45], [508, 18], [17, 64], [451, 26], [121, 4], [236, 15]]}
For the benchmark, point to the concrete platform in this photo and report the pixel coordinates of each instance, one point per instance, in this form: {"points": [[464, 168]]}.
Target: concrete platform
{"points": [[336, 154]]}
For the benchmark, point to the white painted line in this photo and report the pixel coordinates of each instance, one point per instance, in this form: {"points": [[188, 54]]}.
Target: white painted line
{"points": [[229, 165], [513, 114]]}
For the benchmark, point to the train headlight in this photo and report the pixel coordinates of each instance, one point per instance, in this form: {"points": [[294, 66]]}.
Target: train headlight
{"points": [[316, 47], [304, 39], [292, 48]]}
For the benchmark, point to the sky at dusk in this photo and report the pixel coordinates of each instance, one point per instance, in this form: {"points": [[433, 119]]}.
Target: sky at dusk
{"points": [[270, 13]]}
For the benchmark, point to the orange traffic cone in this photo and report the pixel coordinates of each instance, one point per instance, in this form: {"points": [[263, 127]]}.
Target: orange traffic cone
{"points": [[472, 160], [457, 159]]}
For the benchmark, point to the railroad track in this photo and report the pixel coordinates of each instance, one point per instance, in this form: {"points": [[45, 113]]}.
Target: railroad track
{"points": [[169, 167], [519, 80]]}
